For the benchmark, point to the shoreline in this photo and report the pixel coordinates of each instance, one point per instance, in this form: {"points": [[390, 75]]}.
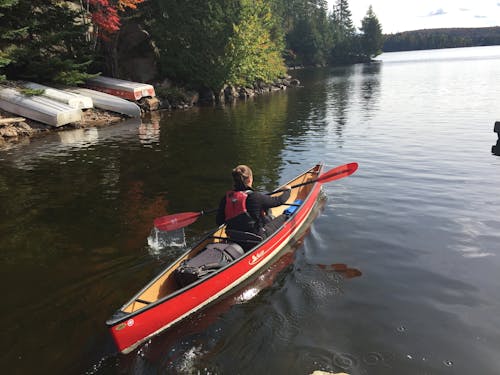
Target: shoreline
{"points": [[14, 128]]}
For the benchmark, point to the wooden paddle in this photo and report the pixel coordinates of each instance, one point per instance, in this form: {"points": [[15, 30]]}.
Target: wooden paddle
{"points": [[183, 219]]}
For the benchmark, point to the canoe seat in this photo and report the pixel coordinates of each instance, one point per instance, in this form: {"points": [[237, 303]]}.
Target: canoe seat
{"points": [[246, 240]]}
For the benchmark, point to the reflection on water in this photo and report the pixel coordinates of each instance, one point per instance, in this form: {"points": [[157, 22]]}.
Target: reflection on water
{"points": [[63, 144], [342, 269], [149, 130], [79, 137], [419, 220]]}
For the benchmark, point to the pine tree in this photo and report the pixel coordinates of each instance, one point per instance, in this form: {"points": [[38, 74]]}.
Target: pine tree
{"points": [[309, 37], [344, 37], [342, 17], [49, 45], [372, 39], [5, 36]]}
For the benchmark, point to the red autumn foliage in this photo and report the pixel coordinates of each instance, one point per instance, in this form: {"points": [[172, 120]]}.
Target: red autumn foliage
{"points": [[105, 13]]}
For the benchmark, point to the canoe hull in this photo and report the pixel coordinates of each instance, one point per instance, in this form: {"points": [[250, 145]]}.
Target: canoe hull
{"points": [[124, 89], [109, 102], [131, 330], [38, 108], [71, 99]]}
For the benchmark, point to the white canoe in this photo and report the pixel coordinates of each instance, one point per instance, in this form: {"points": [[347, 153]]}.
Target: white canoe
{"points": [[109, 102], [38, 108], [69, 98], [124, 89]]}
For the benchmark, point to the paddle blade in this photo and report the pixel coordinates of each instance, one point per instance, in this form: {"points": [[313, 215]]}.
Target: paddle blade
{"points": [[338, 172], [176, 221]]}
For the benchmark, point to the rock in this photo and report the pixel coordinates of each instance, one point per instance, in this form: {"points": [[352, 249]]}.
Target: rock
{"points": [[246, 92], [24, 129], [206, 96], [149, 104], [230, 93], [8, 131], [136, 53]]}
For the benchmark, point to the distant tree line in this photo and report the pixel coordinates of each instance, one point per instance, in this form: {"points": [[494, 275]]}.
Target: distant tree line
{"points": [[203, 43], [442, 38]]}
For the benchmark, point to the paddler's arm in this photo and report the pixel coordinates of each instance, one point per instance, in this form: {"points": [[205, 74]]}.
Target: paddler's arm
{"points": [[269, 201]]}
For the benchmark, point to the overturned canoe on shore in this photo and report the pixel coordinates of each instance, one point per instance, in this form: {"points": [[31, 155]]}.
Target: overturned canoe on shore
{"points": [[121, 88], [69, 98], [108, 102], [38, 108]]}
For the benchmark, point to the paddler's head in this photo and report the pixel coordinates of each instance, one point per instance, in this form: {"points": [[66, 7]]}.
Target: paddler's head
{"points": [[242, 177]]}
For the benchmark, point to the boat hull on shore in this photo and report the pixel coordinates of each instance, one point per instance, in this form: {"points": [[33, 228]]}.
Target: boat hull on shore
{"points": [[38, 108], [118, 87], [68, 98], [109, 102], [162, 303]]}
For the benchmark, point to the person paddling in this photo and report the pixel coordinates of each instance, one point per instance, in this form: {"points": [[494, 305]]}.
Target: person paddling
{"points": [[244, 209]]}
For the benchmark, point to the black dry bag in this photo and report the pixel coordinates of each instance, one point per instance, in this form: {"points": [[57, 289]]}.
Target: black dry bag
{"points": [[209, 260]]}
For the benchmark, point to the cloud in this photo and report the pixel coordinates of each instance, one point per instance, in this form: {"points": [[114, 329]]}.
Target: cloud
{"points": [[478, 16], [464, 9], [439, 12]]}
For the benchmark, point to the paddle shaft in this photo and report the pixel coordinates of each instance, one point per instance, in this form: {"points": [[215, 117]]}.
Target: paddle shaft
{"points": [[177, 221], [333, 174]]}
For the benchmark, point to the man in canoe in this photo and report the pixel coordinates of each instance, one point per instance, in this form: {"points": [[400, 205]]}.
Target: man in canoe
{"points": [[245, 210]]}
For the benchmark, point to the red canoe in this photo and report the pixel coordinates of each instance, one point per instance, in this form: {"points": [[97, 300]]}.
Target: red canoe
{"points": [[162, 303]]}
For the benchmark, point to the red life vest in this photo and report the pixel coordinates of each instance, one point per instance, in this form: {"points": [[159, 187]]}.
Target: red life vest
{"points": [[236, 204], [235, 212]]}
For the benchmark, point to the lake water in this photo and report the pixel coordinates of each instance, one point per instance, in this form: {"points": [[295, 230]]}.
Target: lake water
{"points": [[418, 225]]}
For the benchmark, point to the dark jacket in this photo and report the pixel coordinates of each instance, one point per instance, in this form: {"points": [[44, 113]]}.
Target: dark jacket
{"points": [[257, 205]]}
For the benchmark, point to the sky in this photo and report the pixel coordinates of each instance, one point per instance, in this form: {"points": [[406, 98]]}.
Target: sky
{"points": [[403, 15]]}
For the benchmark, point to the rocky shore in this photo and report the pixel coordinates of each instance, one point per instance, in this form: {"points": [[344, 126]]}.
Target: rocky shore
{"points": [[13, 127]]}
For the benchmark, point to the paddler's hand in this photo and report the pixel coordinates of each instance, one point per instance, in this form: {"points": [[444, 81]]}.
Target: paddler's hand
{"points": [[287, 187]]}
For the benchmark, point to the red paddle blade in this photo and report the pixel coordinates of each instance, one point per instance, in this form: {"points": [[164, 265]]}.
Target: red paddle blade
{"points": [[338, 172], [176, 221]]}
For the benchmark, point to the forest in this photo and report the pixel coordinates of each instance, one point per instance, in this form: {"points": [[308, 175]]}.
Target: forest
{"points": [[441, 38], [197, 43]]}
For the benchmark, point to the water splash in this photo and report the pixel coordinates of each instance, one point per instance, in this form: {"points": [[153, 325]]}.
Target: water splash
{"points": [[159, 240]]}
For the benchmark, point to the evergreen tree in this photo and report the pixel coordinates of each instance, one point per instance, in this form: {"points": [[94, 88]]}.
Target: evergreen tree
{"points": [[47, 45], [372, 39], [309, 37], [342, 19], [344, 37], [5, 36], [191, 38]]}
